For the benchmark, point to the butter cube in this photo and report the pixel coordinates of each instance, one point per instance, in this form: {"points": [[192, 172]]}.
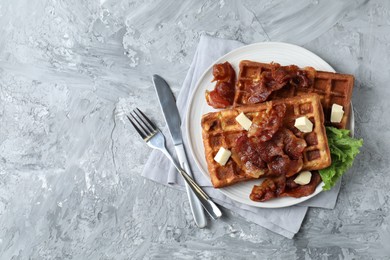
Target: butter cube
{"points": [[337, 113], [303, 124], [222, 156], [244, 121], [303, 178]]}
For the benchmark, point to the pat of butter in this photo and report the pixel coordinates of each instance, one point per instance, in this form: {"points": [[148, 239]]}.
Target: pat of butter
{"points": [[303, 178], [303, 124], [244, 121], [337, 113], [222, 156]]}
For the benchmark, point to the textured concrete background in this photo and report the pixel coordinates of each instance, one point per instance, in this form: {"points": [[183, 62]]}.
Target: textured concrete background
{"points": [[70, 185]]}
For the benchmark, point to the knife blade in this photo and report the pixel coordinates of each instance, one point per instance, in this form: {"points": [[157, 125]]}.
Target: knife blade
{"points": [[172, 118]]}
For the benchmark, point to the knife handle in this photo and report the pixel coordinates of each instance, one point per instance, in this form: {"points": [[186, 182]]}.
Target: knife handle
{"points": [[206, 201], [195, 204]]}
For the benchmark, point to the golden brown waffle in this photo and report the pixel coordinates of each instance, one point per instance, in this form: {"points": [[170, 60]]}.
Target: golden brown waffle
{"points": [[331, 87], [221, 129]]}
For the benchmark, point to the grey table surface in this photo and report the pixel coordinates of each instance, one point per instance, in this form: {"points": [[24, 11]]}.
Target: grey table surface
{"points": [[70, 184]]}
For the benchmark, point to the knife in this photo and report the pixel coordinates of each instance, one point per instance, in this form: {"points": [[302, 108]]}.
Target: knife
{"points": [[172, 118]]}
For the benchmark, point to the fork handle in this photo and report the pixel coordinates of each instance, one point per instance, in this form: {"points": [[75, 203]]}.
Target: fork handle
{"points": [[204, 199]]}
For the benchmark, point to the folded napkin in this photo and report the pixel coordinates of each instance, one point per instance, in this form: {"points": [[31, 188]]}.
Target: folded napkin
{"points": [[284, 221]]}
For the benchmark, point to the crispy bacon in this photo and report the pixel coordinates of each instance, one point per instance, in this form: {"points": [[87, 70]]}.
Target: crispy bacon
{"points": [[223, 94], [286, 145], [297, 191], [279, 165], [248, 154], [272, 150], [295, 167], [259, 93], [270, 81], [283, 155], [281, 186], [215, 100], [277, 78], [269, 146], [303, 78], [264, 126], [271, 155], [283, 74], [268, 189], [293, 145], [269, 150]]}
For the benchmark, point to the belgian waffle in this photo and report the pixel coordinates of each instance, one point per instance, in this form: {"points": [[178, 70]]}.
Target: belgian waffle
{"points": [[220, 129], [331, 87]]}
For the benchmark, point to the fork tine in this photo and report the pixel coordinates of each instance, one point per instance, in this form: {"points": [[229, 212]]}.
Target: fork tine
{"points": [[145, 119], [141, 124], [135, 125]]}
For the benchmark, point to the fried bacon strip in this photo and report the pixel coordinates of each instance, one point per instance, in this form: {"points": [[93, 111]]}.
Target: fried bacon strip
{"points": [[223, 94], [264, 126], [282, 153], [270, 188], [246, 154], [269, 149], [295, 190], [277, 78], [281, 186]]}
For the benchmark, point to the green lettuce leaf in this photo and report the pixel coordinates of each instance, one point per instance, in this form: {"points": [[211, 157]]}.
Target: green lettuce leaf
{"points": [[343, 150]]}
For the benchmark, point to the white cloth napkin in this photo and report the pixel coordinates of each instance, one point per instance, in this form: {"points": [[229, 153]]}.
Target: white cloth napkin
{"points": [[284, 221]]}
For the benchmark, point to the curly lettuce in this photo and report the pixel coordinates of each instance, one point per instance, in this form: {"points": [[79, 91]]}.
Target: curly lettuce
{"points": [[343, 150]]}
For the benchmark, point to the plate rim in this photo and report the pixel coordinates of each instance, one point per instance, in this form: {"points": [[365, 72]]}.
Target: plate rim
{"points": [[190, 105]]}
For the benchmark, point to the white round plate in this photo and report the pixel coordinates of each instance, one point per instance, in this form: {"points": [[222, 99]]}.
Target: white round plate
{"points": [[282, 53]]}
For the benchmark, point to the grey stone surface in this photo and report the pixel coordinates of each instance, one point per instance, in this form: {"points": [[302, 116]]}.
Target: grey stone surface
{"points": [[70, 185]]}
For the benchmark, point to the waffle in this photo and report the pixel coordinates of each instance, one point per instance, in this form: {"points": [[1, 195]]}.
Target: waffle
{"points": [[331, 87], [221, 129]]}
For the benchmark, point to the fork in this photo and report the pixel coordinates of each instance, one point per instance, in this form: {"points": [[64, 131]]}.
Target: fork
{"points": [[156, 140]]}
